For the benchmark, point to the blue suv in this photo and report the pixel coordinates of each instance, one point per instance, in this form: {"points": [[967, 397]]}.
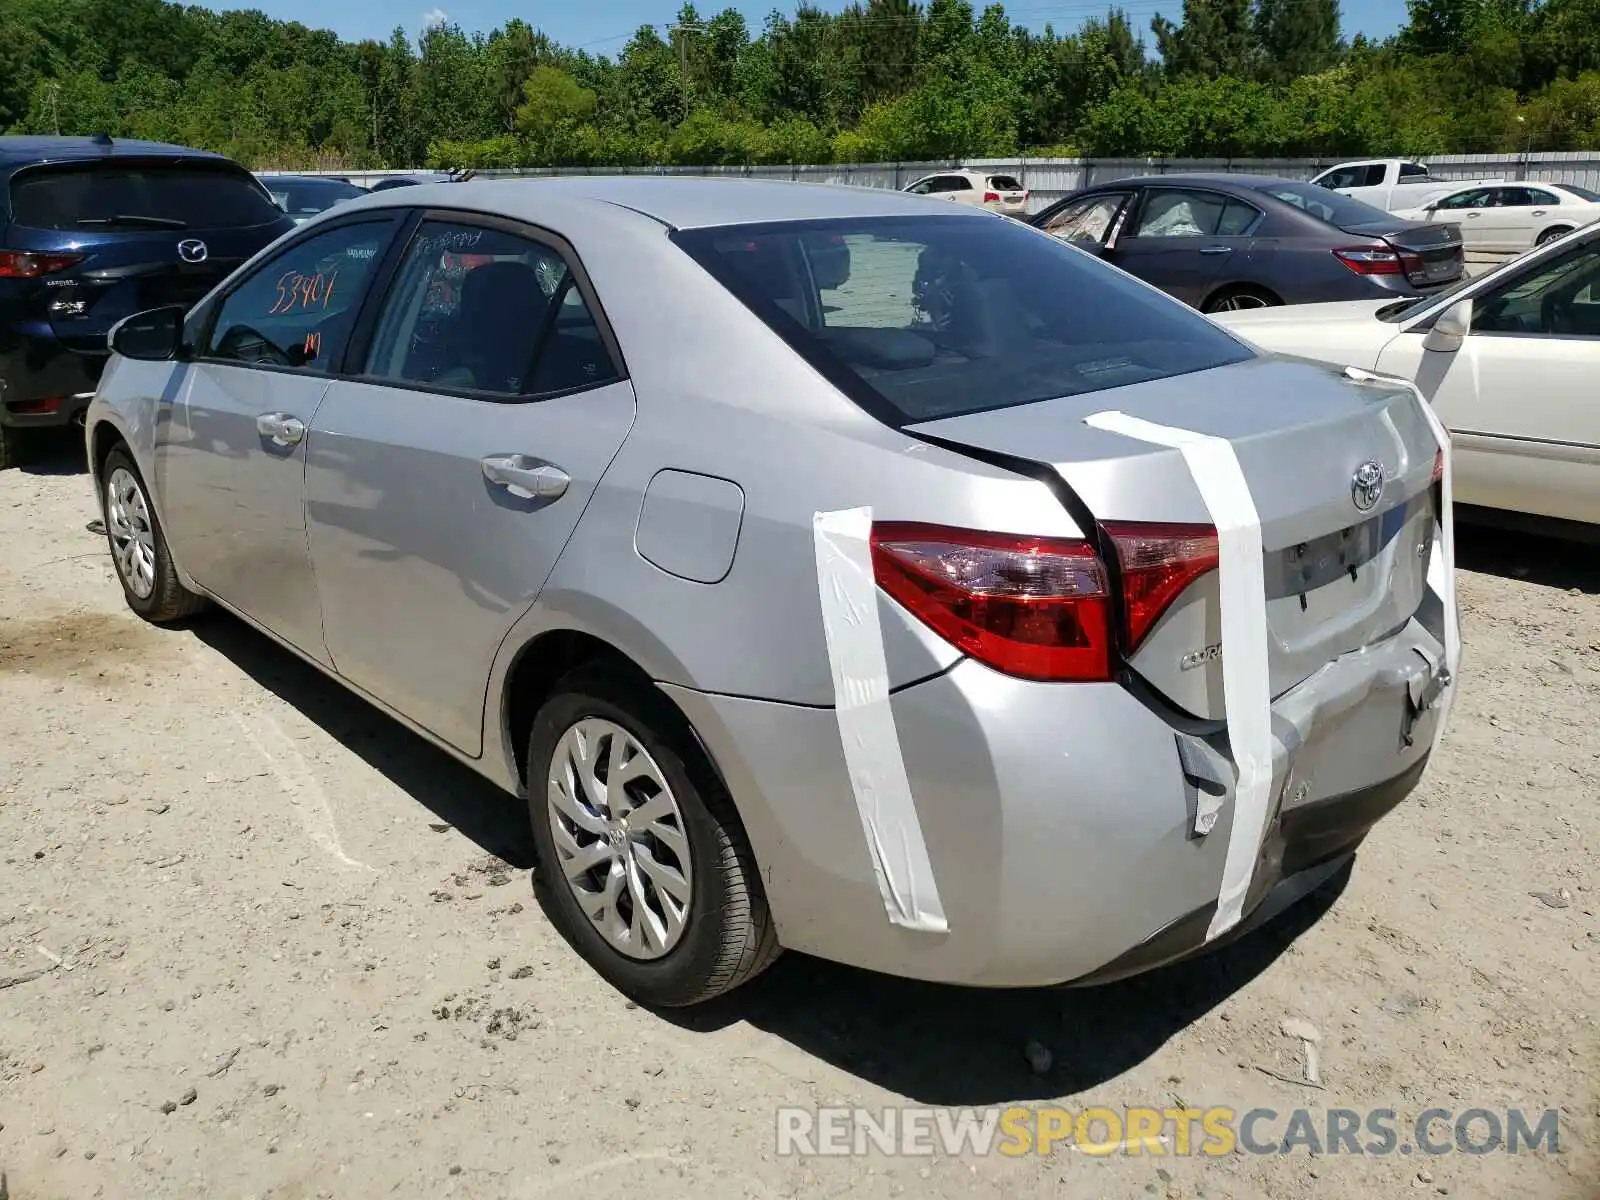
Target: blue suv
{"points": [[91, 231]]}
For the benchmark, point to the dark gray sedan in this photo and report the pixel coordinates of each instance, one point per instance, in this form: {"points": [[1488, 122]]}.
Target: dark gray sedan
{"points": [[1226, 242]]}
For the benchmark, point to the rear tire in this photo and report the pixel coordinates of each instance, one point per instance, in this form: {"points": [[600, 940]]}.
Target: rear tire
{"points": [[139, 551], [1550, 235], [16, 447], [1239, 297], [668, 909]]}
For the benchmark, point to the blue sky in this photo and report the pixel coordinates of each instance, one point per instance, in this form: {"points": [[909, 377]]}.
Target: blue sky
{"points": [[604, 26]]}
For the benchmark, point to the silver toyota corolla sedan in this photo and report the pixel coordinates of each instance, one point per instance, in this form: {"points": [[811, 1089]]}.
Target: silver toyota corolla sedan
{"points": [[826, 568]]}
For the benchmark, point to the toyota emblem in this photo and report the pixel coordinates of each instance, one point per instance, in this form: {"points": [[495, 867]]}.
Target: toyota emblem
{"points": [[192, 250], [1366, 485]]}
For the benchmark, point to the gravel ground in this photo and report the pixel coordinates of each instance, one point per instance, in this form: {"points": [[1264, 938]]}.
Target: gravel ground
{"points": [[299, 955]]}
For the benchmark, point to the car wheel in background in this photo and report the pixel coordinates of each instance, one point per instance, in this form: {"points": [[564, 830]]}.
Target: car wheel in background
{"points": [[16, 446], [1236, 299], [643, 864], [138, 547], [1551, 234]]}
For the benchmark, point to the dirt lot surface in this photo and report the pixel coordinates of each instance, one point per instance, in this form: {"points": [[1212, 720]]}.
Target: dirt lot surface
{"points": [[299, 955]]}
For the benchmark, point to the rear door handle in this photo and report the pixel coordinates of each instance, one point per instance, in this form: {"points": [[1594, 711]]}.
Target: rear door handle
{"points": [[1216, 249], [526, 477], [1538, 212], [283, 428]]}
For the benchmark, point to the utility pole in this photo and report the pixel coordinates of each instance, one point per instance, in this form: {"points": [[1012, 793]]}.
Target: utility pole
{"points": [[683, 56], [55, 108]]}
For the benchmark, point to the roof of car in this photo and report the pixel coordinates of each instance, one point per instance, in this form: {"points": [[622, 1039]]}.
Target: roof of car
{"points": [[16, 149], [1213, 178], [681, 202]]}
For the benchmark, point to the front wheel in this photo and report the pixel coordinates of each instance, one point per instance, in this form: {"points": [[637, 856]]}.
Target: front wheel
{"points": [[139, 551], [643, 864]]}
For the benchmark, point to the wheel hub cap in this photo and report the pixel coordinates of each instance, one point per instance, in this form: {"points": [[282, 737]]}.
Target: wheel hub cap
{"points": [[133, 539], [620, 839]]}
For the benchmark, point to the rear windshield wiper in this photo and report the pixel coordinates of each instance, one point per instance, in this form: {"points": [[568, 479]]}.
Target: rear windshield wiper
{"points": [[136, 219]]}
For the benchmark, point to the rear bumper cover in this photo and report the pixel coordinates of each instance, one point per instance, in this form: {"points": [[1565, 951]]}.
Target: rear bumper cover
{"points": [[33, 370], [1059, 819]]}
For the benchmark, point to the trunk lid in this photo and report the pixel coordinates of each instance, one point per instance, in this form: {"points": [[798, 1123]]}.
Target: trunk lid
{"points": [[1338, 577], [1430, 254], [147, 233]]}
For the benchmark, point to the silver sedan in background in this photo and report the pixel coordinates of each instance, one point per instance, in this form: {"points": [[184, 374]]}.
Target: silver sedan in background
{"points": [[824, 568]]}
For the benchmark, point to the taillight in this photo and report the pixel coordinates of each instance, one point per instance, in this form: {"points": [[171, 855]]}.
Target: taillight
{"points": [[991, 197], [1038, 608], [1366, 261], [23, 264], [1157, 563]]}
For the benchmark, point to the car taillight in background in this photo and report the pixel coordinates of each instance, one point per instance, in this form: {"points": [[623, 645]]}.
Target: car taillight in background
{"points": [[1039, 608], [1367, 260], [991, 197], [24, 264]]}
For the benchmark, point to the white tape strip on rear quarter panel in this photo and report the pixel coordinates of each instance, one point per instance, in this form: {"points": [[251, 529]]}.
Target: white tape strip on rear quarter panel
{"points": [[872, 752], [1442, 567], [1246, 689]]}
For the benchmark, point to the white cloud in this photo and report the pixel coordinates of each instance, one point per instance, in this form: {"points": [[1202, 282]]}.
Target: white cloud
{"points": [[434, 17]]}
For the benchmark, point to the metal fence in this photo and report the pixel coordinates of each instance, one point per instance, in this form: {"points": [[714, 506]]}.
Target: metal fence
{"points": [[1048, 179]]}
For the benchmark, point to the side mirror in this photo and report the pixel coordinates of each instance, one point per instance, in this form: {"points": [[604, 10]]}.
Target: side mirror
{"points": [[1450, 328], [155, 335]]}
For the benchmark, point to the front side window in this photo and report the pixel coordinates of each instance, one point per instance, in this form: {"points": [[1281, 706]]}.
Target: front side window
{"points": [[1086, 220], [1172, 213], [1556, 298], [298, 309], [922, 318], [482, 310], [1476, 198], [1344, 177]]}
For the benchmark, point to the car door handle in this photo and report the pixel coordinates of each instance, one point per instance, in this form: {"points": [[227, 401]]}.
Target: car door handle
{"points": [[1216, 249], [1538, 212], [282, 428], [526, 477]]}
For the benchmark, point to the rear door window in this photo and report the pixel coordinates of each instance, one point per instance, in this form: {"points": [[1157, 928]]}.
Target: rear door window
{"points": [[1173, 212], [481, 310], [296, 311], [920, 318], [114, 196]]}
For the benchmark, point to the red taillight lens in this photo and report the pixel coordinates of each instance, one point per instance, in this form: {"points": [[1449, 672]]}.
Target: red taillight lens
{"points": [[991, 197], [21, 264], [36, 408], [1038, 608], [1367, 261], [1158, 562]]}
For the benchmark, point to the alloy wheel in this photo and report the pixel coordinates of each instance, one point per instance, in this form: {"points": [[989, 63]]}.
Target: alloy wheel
{"points": [[620, 837], [1240, 301], [133, 540]]}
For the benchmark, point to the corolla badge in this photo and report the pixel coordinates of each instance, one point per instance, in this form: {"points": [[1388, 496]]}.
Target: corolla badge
{"points": [[1366, 485], [192, 250]]}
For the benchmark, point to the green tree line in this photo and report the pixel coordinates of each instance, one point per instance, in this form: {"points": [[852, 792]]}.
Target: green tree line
{"points": [[881, 80]]}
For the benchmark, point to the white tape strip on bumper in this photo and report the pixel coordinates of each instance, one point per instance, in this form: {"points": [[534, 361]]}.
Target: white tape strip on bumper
{"points": [[1246, 690], [866, 722], [1442, 567]]}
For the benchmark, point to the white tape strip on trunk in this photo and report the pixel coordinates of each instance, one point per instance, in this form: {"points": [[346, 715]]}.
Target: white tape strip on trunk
{"points": [[1246, 690], [1442, 566], [866, 722]]}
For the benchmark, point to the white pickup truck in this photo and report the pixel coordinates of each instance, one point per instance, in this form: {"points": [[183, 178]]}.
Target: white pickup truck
{"points": [[1390, 183]]}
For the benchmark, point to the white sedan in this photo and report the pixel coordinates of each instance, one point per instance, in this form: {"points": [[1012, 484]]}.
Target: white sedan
{"points": [[1510, 217], [1509, 360]]}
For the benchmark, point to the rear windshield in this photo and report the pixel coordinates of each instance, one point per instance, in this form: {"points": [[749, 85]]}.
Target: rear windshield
{"points": [[1582, 193], [1331, 207], [125, 197], [306, 197], [919, 318], [1004, 183]]}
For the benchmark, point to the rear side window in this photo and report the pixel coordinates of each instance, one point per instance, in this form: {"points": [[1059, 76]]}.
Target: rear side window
{"points": [[1172, 213], [1414, 173], [920, 318], [113, 196], [481, 310], [297, 309]]}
